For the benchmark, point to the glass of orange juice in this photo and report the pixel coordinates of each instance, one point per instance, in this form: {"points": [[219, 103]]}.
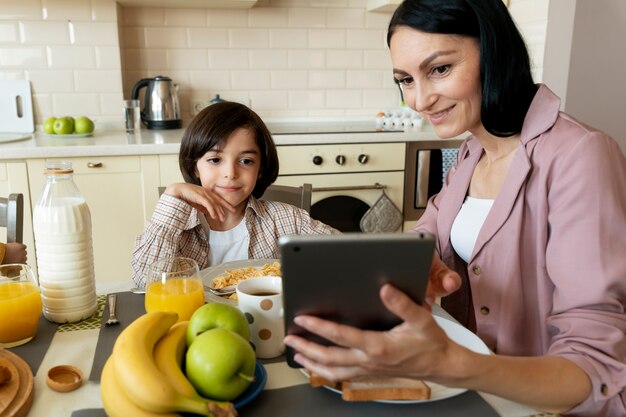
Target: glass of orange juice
{"points": [[20, 305], [174, 284]]}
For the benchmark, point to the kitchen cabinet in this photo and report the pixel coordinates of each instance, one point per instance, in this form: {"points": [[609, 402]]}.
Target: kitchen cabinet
{"points": [[121, 192], [14, 179], [199, 4]]}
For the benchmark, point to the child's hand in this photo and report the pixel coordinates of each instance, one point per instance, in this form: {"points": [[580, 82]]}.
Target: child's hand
{"points": [[15, 253], [201, 199]]}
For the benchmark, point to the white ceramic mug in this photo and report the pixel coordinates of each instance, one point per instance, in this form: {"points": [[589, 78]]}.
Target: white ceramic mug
{"points": [[261, 300]]}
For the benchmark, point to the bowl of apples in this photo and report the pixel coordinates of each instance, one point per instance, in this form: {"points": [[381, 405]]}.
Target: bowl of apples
{"points": [[68, 126]]}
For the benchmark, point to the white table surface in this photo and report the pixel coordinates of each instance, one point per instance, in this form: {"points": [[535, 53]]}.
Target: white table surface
{"points": [[77, 348]]}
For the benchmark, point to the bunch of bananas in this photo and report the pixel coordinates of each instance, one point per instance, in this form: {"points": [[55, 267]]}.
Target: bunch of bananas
{"points": [[143, 376]]}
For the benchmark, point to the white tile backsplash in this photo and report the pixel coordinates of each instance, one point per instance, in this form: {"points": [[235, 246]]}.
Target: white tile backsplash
{"points": [[351, 59], [51, 81], [186, 59], [208, 38], [22, 57], [266, 17], [283, 57], [346, 18], [250, 80], [98, 81], [8, 33], [185, 17], [306, 59], [305, 17], [327, 38], [72, 57], [166, 37], [229, 59], [227, 18], [65, 10], [108, 57], [44, 33], [21, 9], [289, 38], [268, 59], [327, 79], [249, 38], [96, 33]]}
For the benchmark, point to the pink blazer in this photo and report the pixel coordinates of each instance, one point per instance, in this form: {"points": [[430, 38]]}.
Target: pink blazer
{"points": [[548, 272]]}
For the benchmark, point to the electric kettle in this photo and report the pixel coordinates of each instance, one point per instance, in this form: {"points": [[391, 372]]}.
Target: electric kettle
{"points": [[161, 107]]}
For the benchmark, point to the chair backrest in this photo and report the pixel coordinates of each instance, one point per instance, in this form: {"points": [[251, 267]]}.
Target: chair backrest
{"points": [[296, 196], [12, 216]]}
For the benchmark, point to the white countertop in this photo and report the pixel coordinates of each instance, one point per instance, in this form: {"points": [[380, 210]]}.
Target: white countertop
{"points": [[116, 142]]}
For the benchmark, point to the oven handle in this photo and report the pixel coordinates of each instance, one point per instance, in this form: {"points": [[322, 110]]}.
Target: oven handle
{"points": [[375, 186]]}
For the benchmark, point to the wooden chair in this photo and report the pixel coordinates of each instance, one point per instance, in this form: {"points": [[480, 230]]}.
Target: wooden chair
{"points": [[12, 216], [297, 196]]}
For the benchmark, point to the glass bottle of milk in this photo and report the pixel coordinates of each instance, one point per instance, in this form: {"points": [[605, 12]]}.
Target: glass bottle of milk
{"points": [[62, 226]]}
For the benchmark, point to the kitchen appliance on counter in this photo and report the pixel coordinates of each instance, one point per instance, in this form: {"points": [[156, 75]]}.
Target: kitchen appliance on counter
{"points": [[161, 106]]}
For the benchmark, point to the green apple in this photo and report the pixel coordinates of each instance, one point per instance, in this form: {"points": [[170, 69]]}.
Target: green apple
{"points": [[83, 124], [48, 125], [219, 315], [220, 364], [64, 126]]}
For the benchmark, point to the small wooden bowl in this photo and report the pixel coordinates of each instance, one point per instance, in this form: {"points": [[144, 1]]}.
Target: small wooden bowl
{"points": [[64, 378]]}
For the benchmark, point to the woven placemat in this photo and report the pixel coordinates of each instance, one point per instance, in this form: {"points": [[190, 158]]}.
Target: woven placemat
{"points": [[93, 322]]}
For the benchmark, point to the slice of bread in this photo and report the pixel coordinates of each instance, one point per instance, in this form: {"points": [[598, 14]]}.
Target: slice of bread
{"points": [[319, 381], [384, 388]]}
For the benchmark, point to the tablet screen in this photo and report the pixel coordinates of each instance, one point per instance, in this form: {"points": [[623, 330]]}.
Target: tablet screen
{"points": [[338, 277]]}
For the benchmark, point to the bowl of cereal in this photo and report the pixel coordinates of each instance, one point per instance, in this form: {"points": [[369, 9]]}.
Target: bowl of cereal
{"points": [[231, 273]]}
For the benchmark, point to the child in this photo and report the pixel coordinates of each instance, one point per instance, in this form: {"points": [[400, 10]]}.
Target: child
{"points": [[228, 159], [12, 253]]}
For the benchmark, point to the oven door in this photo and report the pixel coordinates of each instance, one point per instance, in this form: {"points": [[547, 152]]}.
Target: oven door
{"points": [[427, 163], [341, 200]]}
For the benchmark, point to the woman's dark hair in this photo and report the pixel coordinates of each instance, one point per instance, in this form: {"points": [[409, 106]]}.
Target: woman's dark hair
{"points": [[507, 84], [211, 128]]}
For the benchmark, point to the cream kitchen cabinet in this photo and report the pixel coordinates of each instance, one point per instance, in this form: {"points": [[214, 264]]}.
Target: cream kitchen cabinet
{"points": [[14, 179], [121, 193]]}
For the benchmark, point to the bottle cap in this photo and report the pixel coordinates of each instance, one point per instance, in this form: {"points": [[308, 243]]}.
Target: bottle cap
{"points": [[64, 378], [58, 167]]}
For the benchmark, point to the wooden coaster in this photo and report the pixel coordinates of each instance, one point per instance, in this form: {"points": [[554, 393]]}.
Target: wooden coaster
{"points": [[16, 396]]}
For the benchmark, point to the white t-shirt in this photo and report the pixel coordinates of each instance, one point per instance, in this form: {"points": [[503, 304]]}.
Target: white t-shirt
{"points": [[467, 225], [228, 245]]}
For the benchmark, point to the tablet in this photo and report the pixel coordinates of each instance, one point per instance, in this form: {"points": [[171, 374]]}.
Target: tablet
{"points": [[338, 277]]}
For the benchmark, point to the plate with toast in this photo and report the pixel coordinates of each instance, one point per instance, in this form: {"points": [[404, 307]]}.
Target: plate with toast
{"points": [[396, 390]]}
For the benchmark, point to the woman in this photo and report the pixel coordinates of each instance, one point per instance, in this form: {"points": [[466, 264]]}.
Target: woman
{"points": [[228, 159], [531, 224]]}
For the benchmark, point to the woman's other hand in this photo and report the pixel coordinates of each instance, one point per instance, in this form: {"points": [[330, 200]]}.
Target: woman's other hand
{"points": [[416, 348], [201, 199], [443, 281]]}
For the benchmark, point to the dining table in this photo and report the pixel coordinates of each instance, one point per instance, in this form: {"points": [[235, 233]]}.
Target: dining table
{"points": [[87, 344]]}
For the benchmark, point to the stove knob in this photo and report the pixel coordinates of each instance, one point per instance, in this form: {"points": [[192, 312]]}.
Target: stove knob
{"points": [[362, 158], [317, 160], [340, 159]]}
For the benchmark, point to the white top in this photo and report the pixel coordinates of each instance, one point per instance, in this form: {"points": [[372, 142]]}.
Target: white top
{"points": [[229, 245], [467, 225]]}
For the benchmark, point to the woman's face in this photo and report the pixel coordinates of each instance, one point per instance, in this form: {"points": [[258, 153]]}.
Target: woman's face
{"points": [[232, 171], [440, 78]]}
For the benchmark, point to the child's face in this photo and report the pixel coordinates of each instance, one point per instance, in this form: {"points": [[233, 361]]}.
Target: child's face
{"points": [[232, 171]]}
